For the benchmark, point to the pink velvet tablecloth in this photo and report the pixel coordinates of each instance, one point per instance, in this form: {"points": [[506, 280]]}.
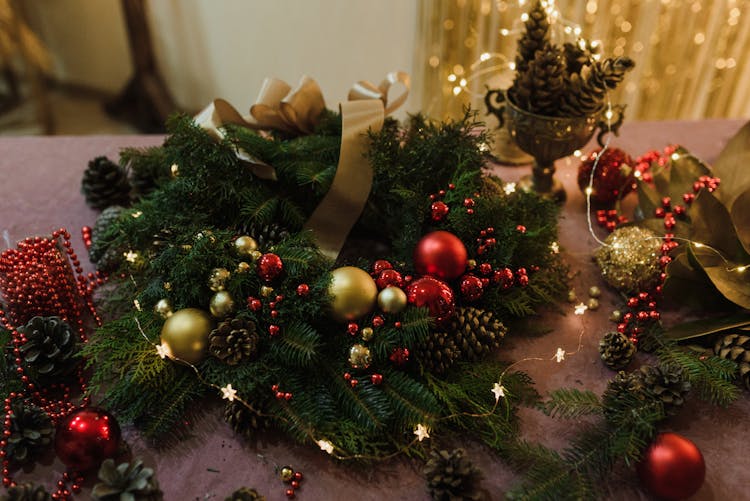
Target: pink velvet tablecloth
{"points": [[40, 179]]}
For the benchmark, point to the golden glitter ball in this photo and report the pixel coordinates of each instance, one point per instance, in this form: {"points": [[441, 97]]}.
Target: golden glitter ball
{"points": [[471, 264], [243, 267], [392, 299], [218, 279], [359, 356], [367, 333], [221, 304], [286, 473], [572, 298], [593, 304], [353, 291], [594, 291], [616, 316], [255, 255], [167, 286], [245, 245], [185, 333], [266, 291], [629, 259], [164, 308]]}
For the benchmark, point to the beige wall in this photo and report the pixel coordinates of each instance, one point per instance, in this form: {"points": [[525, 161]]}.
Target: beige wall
{"points": [[212, 48]]}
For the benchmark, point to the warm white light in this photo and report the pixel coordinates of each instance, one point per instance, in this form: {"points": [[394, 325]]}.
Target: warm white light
{"points": [[452, 77], [462, 83], [512, 65], [485, 56], [524, 17], [456, 90], [589, 190], [675, 156]]}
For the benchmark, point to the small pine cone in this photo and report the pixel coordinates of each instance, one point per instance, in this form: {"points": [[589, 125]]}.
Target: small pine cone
{"points": [[585, 92], [31, 432], [452, 476], [667, 383], [26, 492], [245, 494], [476, 332], [101, 252], [616, 350], [534, 38], [539, 89], [576, 57], [245, 421], [50, 347], [126, 481], [105, 183], [438, 353], [736, 347], [234, 340], [267, 235]]}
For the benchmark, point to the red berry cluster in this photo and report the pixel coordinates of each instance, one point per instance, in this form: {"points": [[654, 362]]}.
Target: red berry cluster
{"points": [[399, 356], [486, 240], [281, 395], [610, 219], [438, 209], [86, 236], [644, 163], [295, 482]]}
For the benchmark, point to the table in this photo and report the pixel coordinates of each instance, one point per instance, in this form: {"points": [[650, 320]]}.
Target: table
{"points": [[41, 180]]}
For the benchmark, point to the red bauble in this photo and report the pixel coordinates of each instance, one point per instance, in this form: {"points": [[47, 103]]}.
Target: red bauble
{"points": [[380, 265], [611, 179], [471, 287], [86, 437], [270, 267], [440, 254], [389, 277], [439, 210], [672, 467], [435, 295]]}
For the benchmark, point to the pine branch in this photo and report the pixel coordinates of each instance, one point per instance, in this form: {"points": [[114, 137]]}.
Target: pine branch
{"points": [[570, 403]]}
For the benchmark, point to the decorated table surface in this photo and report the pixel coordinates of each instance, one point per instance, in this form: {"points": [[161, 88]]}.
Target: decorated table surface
{"points": [[41, 180]]}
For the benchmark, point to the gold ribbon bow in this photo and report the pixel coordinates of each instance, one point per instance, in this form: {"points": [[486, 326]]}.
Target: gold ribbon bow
{"points": [[297, 112]]}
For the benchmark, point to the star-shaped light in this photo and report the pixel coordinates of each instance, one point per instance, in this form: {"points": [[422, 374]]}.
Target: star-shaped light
{"points": [[325, 445], [560, 355], [163, 351], [228, 393], [509, 188], [130, 256], [554, 247], [580, 309], [499, 391], [421, 432]]}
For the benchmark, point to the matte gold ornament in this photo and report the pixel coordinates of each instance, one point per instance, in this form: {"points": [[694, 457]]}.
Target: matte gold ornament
{"points": [[266, 291], [392, 300], [367, 333], [629, 259], [286, 473], [354, 292], [218, 279], [594, 291], [245, 245], [359, 356], [222, 304], [185, 334], [593, 304], [255, 255], [164, 308]]}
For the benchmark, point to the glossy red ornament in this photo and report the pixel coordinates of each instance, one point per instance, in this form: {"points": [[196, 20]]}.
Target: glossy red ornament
{"points": [[438, 211], [303, 290], [440, 254], [399, 356], [270, 267], [379, 266], [613, 177], [435, 295], [376, 379], [672, 467], [471, 287], [389, 277], [86, 437]]}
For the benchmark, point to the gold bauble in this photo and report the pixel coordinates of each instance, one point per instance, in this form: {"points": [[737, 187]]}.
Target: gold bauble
{"points": [[354, 292], [266, 291], [218, 279], [629, 259], [392, 299], [245, 245], [255, 255], [185, 334], [367, 333], [164, 308], [221, 304], [243, 267], [286, 473], [359, 356]]}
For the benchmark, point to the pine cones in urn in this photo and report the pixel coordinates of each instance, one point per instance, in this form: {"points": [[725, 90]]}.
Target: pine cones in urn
{"points": [[667, 383], [616, 350], [539, 88], [245, 494], [587, 90], [534, 38], [452, 476], [736, 347], [26, 492], [31, 431], [105, 183], [50, 348], [126, 481], [234, 340]]}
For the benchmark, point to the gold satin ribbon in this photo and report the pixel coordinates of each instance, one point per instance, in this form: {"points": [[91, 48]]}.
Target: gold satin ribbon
{"points": [[297, 112]]}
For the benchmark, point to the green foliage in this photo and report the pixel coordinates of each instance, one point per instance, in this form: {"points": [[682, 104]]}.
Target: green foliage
{"points": [[572, 403]]}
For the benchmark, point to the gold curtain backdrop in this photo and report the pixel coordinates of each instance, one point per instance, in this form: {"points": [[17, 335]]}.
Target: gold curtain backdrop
{"points": [[691, 55]]}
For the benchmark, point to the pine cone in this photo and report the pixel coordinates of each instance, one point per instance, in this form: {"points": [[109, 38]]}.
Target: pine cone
{"points": [[267, 235], [736, 347], [586, 91], [539, 89], [476, 332], [31, 431], [245, 494], [667, 383], [452, 476], [536, 36], [26, 492], [617, 350], [245, 421], [105, 183], [438, 353], [126, 481], [234, 340], [101, 252], [576, 57], [50, 347]]}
